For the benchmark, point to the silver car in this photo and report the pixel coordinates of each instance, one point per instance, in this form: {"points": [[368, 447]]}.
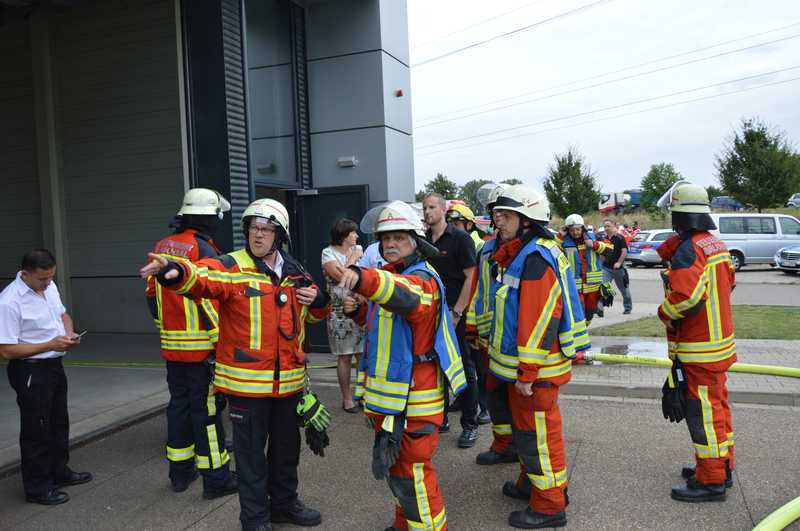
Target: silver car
{"points": [[755, 238], [643, 248]]}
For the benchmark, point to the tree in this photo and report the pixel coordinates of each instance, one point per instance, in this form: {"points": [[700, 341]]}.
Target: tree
{"points": [[439, 185], [512, 181], [657, 181], [714, 191], [570, 186], [469, 195], [758, 166]]}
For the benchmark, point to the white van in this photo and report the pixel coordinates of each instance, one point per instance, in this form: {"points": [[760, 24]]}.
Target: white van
{"points": [[755, 238]]}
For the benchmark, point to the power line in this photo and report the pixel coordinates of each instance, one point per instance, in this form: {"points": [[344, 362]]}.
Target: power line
{"points": [[512, 32], [603, 109], [476, 24], [608, 82], [660, 107], [620, 70]]}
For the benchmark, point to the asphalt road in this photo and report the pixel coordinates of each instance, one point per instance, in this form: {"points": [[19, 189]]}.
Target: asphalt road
{"points": [[622, 456], [754, 285]]}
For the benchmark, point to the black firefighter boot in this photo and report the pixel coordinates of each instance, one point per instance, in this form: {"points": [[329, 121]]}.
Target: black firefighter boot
{"points": [[530, 519], [696, 492], [689, 472]]}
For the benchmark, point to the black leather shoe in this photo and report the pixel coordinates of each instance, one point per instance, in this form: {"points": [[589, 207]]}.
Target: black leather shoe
{"points": [[694, 492], [530, 519], [74, 478], [51, 497], [484, 418], [445, 427], [689, 472], [490, 457], [468, 438], [180, 485], [511, 490], [298, 514], [231, 487], [261, 527]]}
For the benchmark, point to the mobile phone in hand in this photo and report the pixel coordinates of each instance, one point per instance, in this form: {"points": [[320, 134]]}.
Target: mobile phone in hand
{"points": [[82, 334]]}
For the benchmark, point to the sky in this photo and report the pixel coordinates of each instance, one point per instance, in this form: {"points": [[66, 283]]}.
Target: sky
{"points": [[561, 83]]}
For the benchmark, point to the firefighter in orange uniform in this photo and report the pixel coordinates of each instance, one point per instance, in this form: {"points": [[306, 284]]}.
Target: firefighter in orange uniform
{"points": [[536, 327], [699, 321], [266, 298], [411, 353], [583, 252], [189, 331]]}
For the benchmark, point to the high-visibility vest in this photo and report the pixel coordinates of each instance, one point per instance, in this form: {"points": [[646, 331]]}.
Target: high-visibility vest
{"points": [[386, 368], [503, 343], [594, 268]]}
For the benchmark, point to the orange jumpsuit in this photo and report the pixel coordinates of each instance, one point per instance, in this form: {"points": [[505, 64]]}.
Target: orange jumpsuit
{"points": [[698, 287], [413, 481]]}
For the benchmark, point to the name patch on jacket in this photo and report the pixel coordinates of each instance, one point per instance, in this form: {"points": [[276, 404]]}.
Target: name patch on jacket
{"points": [[711, 245], [174, 248]]}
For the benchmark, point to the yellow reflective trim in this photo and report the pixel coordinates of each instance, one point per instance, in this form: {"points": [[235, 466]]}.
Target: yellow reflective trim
{"points": [[204, 462], [211, 402], [180, 454], [712, 309], [501, 429], [182, 334], [185, 345], [384, 401], [385, 287], [243, 374], [385, 329], [545, 482], [552, 371], [255, 320], [213, 446], [422, 496], [159, 308], [424, 410], [211, 312], [545, 317], [542, 449], [190, 281], [426, 395], [502, 371], [244, 387], [386, 386], [499, 316]]}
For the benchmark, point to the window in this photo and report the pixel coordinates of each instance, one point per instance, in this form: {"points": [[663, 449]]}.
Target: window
{"points": [[731, 225], [641, 237], [760, 225], [662, 236], [790, 227]]}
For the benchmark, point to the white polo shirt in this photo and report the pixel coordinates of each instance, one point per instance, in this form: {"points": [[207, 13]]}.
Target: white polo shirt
{"points": [[27, 317]]}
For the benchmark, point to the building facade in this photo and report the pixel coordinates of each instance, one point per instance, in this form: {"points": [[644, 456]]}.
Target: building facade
{"points": [[111, 109]]}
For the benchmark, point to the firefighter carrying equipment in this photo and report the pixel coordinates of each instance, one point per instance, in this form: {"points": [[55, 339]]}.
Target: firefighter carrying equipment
{"points": [[260, 350], [315, 418], [584, 259], [673, 394], [386, 447], [204, 202]]}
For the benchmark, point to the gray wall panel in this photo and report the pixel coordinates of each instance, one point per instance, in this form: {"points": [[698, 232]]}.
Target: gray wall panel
{"points": [[115, 305], [368, 145], [394, 28], [267, 33], [20, 203], [118, 104], [343, 27], [279, 154], [271, 110], [346, 92], [396, 76], [399, 165]]}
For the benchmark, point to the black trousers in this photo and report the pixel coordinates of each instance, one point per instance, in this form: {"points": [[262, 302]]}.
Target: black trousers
{"points": [[469, 396], [266, 482], [195, 433], [41, 388]]}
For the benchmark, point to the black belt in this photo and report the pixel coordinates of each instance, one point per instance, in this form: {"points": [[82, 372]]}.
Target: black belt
{"points": [[425, 358], [41, 360]]}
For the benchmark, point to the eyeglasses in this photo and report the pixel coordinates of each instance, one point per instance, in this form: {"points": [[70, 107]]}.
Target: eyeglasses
{"points": [[261, 230]]}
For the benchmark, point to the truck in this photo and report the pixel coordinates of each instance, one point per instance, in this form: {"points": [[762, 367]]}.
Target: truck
{"points": [[618, 202]]}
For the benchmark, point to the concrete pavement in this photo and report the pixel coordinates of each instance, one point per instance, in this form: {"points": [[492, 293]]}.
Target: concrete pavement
{"points": [[622, 457]]}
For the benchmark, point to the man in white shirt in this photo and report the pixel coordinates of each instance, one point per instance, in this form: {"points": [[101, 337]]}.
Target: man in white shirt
{"points": [[372, 256], [35, 333]]}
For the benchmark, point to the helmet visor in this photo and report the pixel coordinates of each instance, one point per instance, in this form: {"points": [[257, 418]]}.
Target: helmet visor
{"points": [[665, 202]]}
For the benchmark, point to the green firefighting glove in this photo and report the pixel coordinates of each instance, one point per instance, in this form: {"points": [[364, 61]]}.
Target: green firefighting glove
{"points": [[386, 449], [315, 418], [673, 394]]}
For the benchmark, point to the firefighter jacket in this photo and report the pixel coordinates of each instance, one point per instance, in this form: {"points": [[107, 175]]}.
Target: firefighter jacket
{"points": [[408, 324], [698, 286], [539, 342], [189, 328], [261, 323], [584, 259]]}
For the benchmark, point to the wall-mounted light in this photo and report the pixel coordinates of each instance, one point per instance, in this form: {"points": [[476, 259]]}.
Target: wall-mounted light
{"points": [[267, 168], [347, 162], [399, 93]]}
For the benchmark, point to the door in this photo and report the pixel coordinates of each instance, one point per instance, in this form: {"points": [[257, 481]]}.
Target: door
{"points": [[762, 238], [313, 213]]}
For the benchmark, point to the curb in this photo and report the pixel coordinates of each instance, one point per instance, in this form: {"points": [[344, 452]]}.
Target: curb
{"points": [[654, 393]]}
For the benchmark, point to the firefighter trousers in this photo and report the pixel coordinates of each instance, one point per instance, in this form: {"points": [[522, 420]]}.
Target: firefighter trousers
{"points": [[500, 413], [539, 440], [708, 417], [195, 434]]}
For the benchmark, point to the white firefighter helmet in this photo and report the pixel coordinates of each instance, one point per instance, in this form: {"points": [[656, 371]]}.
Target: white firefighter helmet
{"points": [[392, 216], [574, 219], [525, 201], [204, 202], [687, 197], [270, 210]]}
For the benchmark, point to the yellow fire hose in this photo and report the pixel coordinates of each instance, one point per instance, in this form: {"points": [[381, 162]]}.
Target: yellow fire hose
{"points": [[748, 368], [786, 514]]}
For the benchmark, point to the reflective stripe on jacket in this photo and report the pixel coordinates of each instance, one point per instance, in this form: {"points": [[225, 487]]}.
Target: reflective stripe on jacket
{"points": [[698, 286], [262, 325], [585, 262], [188, 328]]}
